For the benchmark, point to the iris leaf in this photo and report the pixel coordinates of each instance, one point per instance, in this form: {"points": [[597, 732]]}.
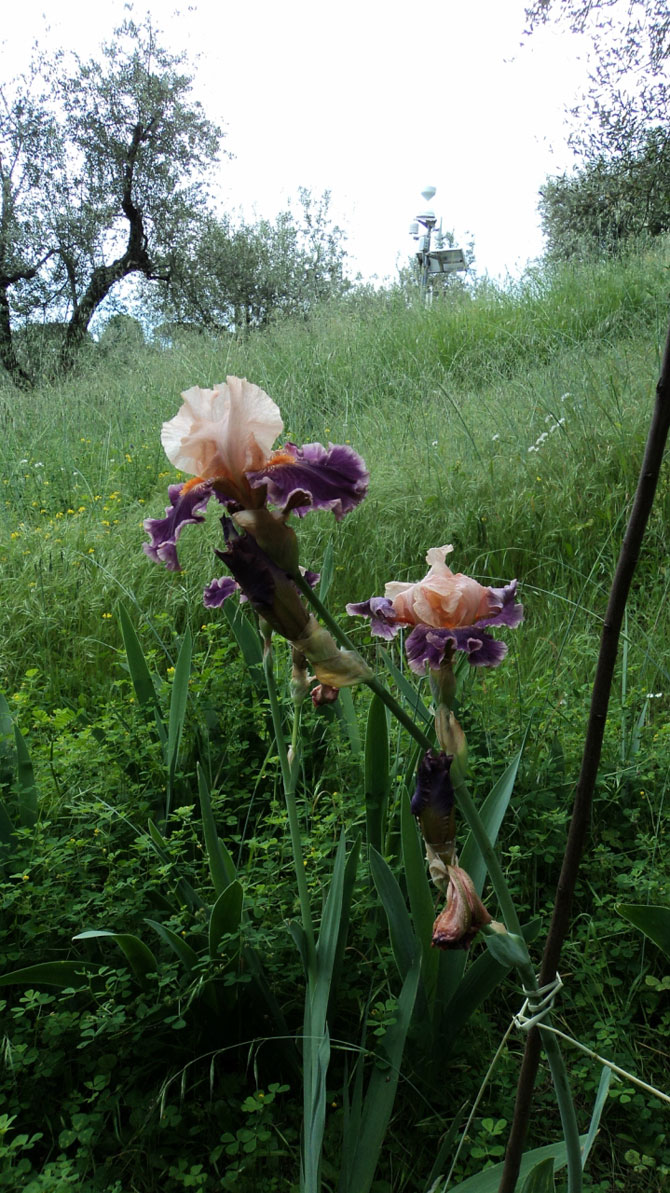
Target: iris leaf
{"points": [[376, 771]]}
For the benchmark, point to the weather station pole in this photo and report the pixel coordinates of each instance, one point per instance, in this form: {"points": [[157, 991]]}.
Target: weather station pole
{"points": [[438, 260]]}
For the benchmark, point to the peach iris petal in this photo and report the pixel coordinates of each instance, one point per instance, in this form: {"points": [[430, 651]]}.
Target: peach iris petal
{"points": [[222, 432], [443, 599]]}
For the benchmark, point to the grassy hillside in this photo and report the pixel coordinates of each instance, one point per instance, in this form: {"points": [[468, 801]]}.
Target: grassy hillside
{"points": [[508, 422], [445, 404]]}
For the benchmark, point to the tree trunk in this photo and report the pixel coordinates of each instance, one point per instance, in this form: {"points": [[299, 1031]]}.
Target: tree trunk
{"points": [[8, 356], [135, 259], [102, 280]]}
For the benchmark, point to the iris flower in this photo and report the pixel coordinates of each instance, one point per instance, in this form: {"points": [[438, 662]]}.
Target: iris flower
{"points": [[447, 611], [223, 437]]}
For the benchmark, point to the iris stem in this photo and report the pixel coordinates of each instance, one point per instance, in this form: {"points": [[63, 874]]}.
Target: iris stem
{"points": [[508, 910], [373, 683], [289, 771]]}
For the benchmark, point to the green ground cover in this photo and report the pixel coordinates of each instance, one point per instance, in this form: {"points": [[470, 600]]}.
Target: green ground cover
{"points": [[510, 423]]}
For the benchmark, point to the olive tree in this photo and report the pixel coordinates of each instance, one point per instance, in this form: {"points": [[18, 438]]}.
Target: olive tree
{"points": [[618, 129], [237, 275], [608, 201], [101, 167]]}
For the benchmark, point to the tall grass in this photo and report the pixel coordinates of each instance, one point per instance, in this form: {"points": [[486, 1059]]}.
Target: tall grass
{"points": [[508, 422]]}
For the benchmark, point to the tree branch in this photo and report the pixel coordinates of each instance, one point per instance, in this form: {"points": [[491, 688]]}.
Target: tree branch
{"points": [[25, 273]]}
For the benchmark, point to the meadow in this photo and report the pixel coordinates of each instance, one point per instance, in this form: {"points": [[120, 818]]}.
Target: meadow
{"points": [[507, 421]]}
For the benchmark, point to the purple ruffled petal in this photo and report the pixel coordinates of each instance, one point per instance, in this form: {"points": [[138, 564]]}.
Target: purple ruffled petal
{"points": [[510, 612], [383, 619], [483, 650], [218, 591], [314, 477], [427, 647], [182, 511]]}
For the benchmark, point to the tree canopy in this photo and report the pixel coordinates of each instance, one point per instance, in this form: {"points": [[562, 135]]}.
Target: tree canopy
{"points": [[628, 86], [101, 167], [609, 200], [619, 129], [236, 275]]}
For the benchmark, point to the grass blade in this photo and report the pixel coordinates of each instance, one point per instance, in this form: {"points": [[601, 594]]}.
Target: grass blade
{"points": [[190, 896], [6, 830], [75, 974], [16, 771], [654, 921], [139, 672], [441, 1159], [347, 893], [189, 959], [25, 782], [492, 813], [381, 1091], [138, 954], [403, 940], [221, 866], [327, 571], [344, 707], [489, 1180], [178, 699], [248, 640], [137, 664], [601, 1098], [540, 1179], [180, 948], [409, 693], [316, 1037], [7, 743], [480, 980], [330, 920], [376, 769], [226, 916]]}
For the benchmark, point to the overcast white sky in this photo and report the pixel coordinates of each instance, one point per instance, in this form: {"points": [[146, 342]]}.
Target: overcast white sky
{"points": [[367, 100]]}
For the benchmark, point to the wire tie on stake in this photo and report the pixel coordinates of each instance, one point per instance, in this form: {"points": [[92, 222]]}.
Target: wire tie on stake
{"points": [[538, 1004]]}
